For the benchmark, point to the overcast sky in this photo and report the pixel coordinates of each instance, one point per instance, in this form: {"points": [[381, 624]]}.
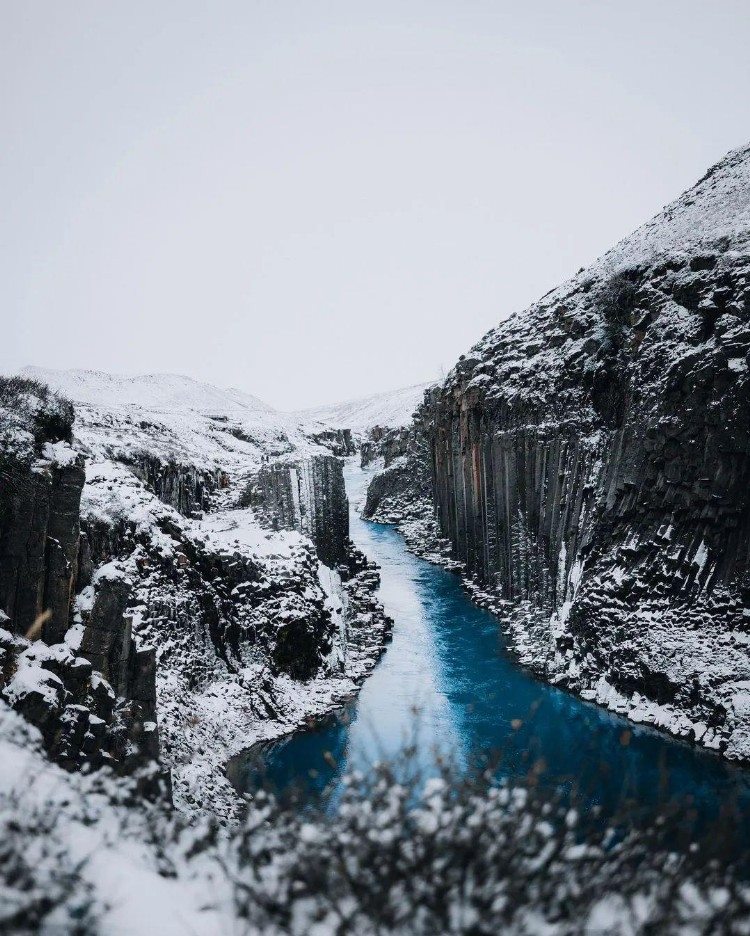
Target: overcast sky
{"points": [[315, 201]]}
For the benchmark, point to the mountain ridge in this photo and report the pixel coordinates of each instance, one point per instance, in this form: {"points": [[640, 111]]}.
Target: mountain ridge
{"points": [[389, 409]]}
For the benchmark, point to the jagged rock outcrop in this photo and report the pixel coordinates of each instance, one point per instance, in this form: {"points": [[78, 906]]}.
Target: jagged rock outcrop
{"points": [[386, 443], [198, 604], [338, 441], [591, 460], [403, 485]]}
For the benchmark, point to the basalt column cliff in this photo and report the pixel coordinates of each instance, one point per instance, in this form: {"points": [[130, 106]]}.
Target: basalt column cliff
{"points": [[591, 467]]}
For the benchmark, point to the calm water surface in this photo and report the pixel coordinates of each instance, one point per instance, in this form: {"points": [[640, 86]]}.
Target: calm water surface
{"points": [[448, 663]]}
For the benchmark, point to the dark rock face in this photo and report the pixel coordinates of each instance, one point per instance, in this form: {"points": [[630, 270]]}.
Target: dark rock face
{"points": [[386, 490], [402, 489], [641, 436], [302, 639], [220, 604], [61, 557], [308, 495], [338, 441], [405, 481], [183, 487], [386, 443], [61, 691], [107, 635], [591, 460], [39, 527]]}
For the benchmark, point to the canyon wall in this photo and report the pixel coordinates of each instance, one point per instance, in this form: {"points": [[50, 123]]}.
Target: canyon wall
{"points": [[39, 529], [590, 468], [158, 608], [56, 683], [185, 487]]}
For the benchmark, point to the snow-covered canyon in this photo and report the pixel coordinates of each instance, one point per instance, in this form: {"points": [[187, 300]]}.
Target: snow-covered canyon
{"points": [[177, 581], [206, 593]]}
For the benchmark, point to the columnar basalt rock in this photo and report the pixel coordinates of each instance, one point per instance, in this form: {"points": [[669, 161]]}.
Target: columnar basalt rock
{"points": [[591, 461], [523, 495], [386, 443], [62, 545], [309, 496], [184, 487], [338, 441], [41, 479], [58, 684]]}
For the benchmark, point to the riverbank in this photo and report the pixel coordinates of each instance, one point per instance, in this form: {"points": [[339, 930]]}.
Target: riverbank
{"points": [[450, 683]]}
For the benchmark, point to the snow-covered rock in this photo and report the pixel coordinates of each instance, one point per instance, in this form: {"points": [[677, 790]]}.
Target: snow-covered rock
{"points": [[195, 587], [591, 458]]}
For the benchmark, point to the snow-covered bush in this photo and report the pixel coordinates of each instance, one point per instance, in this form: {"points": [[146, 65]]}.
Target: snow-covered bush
{"points": [[384, 855], [47, 416], [469, 857], [42, 890]]}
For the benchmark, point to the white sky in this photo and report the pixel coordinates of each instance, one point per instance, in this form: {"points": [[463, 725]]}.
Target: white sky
{"points": [[318, 200]]}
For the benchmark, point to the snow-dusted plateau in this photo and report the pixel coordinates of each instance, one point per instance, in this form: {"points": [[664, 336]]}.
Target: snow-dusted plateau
{"points": [[177, 582]]}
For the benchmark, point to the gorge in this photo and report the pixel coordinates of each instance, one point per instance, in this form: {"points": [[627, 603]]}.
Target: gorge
{"points": [[588, 461], [448, 686], [196, 590]]}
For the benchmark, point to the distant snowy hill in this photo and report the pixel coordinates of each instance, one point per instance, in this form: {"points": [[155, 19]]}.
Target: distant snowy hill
{"points": [[150, 391], [392, 410], [176, 418]]}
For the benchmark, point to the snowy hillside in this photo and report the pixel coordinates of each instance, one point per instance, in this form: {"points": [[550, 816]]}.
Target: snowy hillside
{"points": [[387, 410], [149, 391], [716, 208], [175, 418]]}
